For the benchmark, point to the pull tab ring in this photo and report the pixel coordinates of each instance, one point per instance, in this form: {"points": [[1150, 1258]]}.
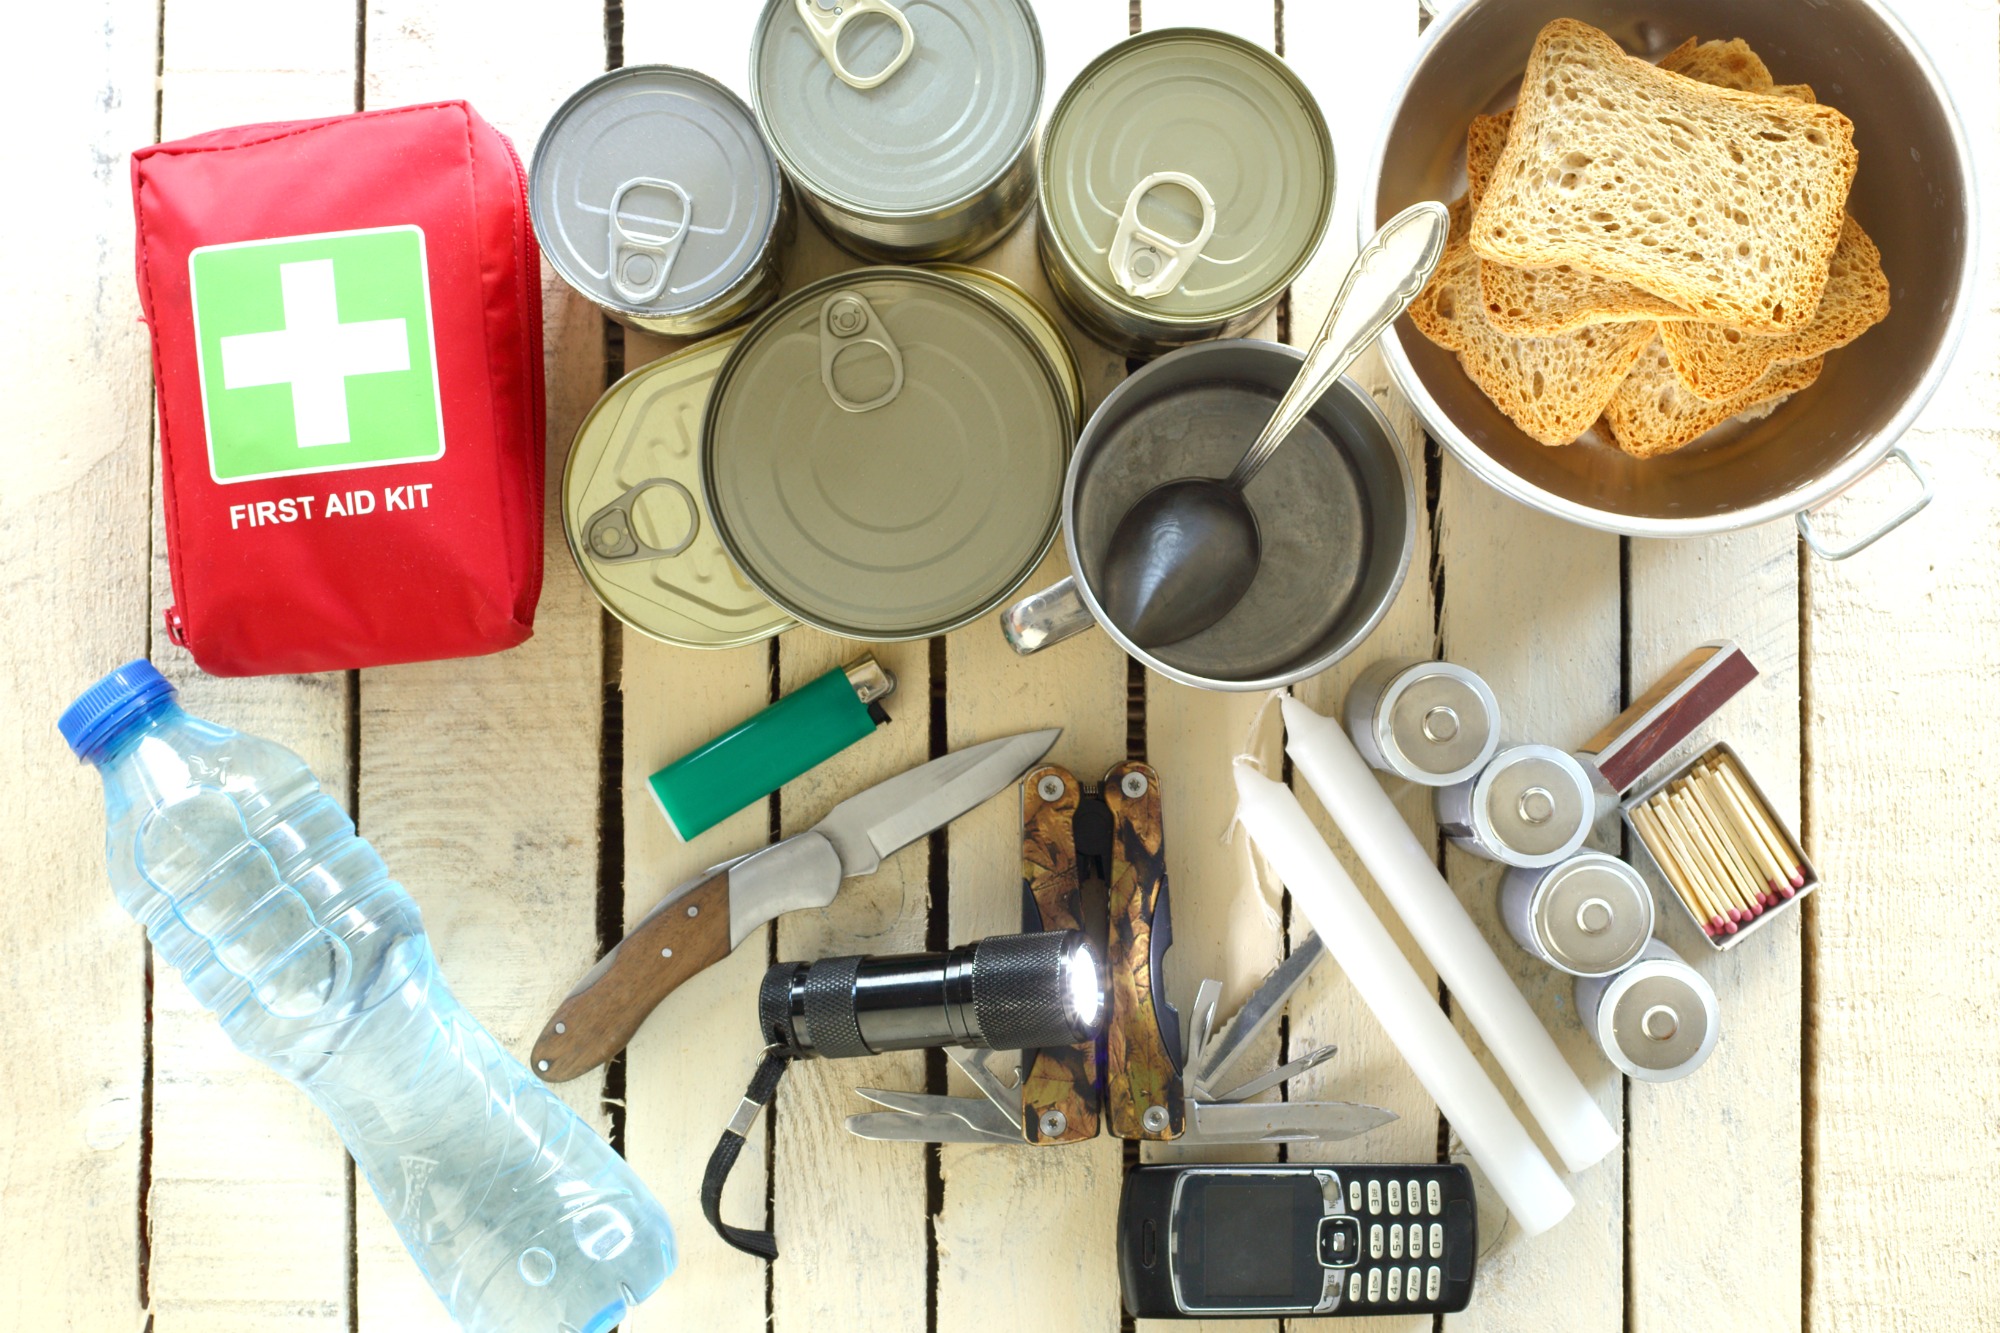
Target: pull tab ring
{"points": [[612, 538], [847, 320], [824, 27], [662, 250], [1147, 263]]}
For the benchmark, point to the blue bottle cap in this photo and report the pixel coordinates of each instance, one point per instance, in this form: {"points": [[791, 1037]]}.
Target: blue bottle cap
{"points": [[104, 710]]}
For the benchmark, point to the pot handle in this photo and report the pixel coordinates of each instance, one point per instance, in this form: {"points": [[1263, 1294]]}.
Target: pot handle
{"points": [[1909, 511], [1055, 613]]}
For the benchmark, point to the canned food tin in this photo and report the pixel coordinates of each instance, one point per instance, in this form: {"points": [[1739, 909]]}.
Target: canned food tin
{"points": [[1433, 723], [1186, 178], [1589, 916], [633, 512], [884, 452], [909, 135], [1656, 1021], [653, 194], [1532, 805]]}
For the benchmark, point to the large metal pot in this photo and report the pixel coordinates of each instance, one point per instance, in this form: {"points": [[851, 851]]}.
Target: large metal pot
{"points": [[1914, 193]]}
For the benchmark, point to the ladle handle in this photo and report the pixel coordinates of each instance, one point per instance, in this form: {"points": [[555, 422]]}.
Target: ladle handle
{"points": [[1387, 275]]}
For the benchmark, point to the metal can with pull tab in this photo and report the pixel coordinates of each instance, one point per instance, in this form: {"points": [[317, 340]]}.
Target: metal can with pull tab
{"points": [[907, 126], [1186, 178], [653, 194], [1532, 805], [1656, 1021], [883, 454], [1589, 916], [633, 511], [1432, 723]]}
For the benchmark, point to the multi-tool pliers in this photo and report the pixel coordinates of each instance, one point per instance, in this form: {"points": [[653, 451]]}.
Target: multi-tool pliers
{"points": [[1095, 861]]}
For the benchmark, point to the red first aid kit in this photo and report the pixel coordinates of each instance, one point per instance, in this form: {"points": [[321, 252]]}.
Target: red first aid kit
{"points": [[346, 321]]}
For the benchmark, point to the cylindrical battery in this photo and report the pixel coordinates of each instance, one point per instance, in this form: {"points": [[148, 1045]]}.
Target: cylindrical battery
{"points": [[1434, 723], [1656, 1021], [1589, 916], [1531, 805]]}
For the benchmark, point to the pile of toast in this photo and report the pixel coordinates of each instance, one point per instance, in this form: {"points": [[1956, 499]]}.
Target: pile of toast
{"points": [[1656, 248]]}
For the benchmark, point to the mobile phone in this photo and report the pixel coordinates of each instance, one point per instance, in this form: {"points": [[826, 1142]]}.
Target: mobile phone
{"points": [[1208, 1242]]}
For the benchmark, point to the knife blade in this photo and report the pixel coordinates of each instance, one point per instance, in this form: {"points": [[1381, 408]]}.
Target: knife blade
{"points": [[976, 1112], [700, 922], [1264, 1004], [1281, 1122], [1271, 1078], [895, 1126]]}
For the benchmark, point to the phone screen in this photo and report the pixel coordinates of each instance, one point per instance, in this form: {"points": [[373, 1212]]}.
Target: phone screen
{"points": [[1249, 1241], [1243, 1259]]}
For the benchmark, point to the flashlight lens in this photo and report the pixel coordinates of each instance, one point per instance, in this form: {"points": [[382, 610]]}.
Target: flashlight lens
{"points": [[1086, 985]]}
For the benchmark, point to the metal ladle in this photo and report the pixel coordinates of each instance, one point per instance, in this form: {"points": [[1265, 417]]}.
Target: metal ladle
{"points": [[1188, 550]]}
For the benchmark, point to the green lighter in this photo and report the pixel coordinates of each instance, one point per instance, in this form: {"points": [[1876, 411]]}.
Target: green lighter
{"points": [[753, 759]]}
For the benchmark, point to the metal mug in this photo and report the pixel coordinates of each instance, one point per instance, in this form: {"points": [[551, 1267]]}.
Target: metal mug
{"points": [[1336, 508], [1914, 194]]}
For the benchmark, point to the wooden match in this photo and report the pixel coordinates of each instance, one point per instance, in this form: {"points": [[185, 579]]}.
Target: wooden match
{"points": [[1685, 850], [1712, 921], [1719, 794], [1718, 833], [1761, 820], [1741, 893]]}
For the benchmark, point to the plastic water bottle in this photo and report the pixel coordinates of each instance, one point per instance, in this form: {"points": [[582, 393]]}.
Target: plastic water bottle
{"points": [[286, 926]]}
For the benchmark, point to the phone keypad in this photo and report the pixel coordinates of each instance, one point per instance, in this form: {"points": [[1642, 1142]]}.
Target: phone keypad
{"points": [[1402, 1230]]}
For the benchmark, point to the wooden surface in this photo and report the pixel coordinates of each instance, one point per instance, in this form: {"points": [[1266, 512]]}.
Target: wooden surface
{"points": [[1826, 1170]]}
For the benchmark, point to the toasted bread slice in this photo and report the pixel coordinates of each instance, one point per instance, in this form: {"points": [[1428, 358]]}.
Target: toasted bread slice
{"points": [[1728, 204], [1552, 388], [1485, 137], [1533, 303], [1730, 64], [1718, 362], [1653, 413], [1545, 302]]}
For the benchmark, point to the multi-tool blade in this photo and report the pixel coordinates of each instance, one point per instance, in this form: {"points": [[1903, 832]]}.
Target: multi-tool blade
{"points": [[1080, 848]]}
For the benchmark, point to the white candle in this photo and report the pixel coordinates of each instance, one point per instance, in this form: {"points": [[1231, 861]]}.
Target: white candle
{"points": [[1400, 1001], [1478, 982]]}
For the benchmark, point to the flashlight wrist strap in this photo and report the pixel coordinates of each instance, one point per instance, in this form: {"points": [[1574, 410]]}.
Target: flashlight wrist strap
{"points": [[763, 1087]]}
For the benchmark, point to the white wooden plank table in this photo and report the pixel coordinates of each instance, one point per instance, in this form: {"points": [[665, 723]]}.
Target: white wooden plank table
{"points": [[1827, 1170]]}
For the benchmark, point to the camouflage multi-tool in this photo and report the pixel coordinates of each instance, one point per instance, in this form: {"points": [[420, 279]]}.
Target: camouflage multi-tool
{"points": [[1096, 861]]}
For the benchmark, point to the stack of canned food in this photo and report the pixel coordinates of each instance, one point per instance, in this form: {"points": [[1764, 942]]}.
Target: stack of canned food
{"points": [[882, 454]]}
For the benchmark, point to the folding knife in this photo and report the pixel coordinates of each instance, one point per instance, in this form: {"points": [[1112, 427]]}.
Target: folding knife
{"points": [[700, 922]]}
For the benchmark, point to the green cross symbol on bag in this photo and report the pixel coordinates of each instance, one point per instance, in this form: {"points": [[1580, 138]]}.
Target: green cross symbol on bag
{"points": [[316, 353]]}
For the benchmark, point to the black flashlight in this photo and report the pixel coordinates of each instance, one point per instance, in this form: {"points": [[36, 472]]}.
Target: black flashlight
{"points": [[1006, 992]]}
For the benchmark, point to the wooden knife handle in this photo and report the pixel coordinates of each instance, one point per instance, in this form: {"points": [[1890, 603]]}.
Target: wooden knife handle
{"points": [[1144, 1074], [1062, 1081], [678, 939]]}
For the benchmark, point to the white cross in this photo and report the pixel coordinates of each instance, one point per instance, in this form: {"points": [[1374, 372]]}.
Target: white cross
{"points": [[314, 353]]}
